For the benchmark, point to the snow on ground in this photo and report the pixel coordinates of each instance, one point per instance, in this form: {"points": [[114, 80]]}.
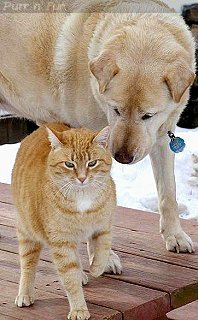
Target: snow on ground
{"points": [[135, 184], [136, 187]]}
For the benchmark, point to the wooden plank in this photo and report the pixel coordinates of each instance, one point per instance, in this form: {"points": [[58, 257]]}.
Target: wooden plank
{"points": [[5, 193], [141, 237], [8, 291], [138, 270], [132, 300], [187, 312], [7, 211], [4, 317], [181, 283], [7, 222], [158, 276], [151, 245], [146, 222], [47, 306]]}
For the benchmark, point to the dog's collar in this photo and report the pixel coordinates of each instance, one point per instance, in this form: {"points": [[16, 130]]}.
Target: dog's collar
{"points": [[176, 144]]}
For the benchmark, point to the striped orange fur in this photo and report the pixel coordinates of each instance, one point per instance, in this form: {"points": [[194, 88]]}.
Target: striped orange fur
{"points": [[64, 194]]}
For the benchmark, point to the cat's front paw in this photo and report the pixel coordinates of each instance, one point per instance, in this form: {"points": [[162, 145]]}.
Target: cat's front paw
{"points": [[79, 315], [85, 278], [97, 269], [23, 300], [113, 264]]}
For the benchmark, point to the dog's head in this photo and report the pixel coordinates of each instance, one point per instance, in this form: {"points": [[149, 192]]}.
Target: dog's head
{"points": [[141, 83]]}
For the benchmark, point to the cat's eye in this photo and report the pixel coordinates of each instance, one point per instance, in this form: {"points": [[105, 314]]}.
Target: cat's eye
{"points": [[69, 164], [92, 163], [117, 111], [148, 116]]}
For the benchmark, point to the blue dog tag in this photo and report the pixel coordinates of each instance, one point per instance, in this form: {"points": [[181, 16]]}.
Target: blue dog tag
{"points": [[176, 144]]}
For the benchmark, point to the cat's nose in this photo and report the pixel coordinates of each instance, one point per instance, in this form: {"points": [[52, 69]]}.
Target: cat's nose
{"points": [[82, 179]]}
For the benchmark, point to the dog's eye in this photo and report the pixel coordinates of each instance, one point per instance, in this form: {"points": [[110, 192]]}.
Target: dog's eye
{"points": [[117, 111], [69, 164], [92, 163], [147, 116]]}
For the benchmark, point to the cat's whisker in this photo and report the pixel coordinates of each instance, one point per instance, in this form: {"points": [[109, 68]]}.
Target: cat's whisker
{"points": [[65, 186], [71, 189], [99, 184], [51, 185], [68, 188]]}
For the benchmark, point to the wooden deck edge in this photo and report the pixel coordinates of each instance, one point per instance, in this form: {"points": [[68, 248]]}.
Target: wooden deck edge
{"points": [[184, 296]]}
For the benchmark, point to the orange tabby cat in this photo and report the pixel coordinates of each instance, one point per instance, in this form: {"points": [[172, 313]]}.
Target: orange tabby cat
{"points": [[64, 194]]}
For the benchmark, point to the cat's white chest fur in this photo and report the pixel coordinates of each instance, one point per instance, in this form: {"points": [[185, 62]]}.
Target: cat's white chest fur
{"points": [[84, 202]]}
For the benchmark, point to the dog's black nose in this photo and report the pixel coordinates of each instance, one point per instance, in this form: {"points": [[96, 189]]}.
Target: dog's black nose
{"points": [[123, 157]]}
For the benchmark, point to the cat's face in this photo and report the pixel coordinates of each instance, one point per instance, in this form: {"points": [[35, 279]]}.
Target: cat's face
{"points": [[79, 159]]}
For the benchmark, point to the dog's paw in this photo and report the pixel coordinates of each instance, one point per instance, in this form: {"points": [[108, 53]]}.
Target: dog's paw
{"points": [[113, 264], [179, 242], [79, 315], [23, 300], [85, 278]]}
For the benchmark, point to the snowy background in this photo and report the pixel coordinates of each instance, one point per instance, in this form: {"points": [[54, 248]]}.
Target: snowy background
{"points": [[136, 187], [135, 184]]}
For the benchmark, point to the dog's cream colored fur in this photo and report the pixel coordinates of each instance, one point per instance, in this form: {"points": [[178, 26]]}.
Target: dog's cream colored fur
{"points": [[106, 58]]}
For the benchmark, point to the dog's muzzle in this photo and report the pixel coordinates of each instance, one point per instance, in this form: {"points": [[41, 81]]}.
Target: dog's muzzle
{"points": [[123, 157]]}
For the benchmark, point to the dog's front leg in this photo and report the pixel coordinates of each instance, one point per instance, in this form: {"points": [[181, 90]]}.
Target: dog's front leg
{"points": [[162, 159]]}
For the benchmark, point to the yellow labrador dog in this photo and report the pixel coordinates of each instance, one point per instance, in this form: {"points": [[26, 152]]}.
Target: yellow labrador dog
{"points": [[127, 63]]}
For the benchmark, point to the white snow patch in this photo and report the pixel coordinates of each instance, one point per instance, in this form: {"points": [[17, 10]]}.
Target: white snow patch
{"points": [[7, 158], [136, 187]]}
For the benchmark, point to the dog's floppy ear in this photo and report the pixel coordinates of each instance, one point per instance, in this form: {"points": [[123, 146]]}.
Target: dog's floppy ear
{"points": [[179, 78], [104, 68]]}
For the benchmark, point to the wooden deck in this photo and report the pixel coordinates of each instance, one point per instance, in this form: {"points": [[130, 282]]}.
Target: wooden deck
{"points": [[187, 312], [153, 282]]}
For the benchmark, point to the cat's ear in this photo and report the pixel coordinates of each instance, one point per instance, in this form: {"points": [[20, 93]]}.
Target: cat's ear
{"points": [[54, 138], [103, 137]]}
